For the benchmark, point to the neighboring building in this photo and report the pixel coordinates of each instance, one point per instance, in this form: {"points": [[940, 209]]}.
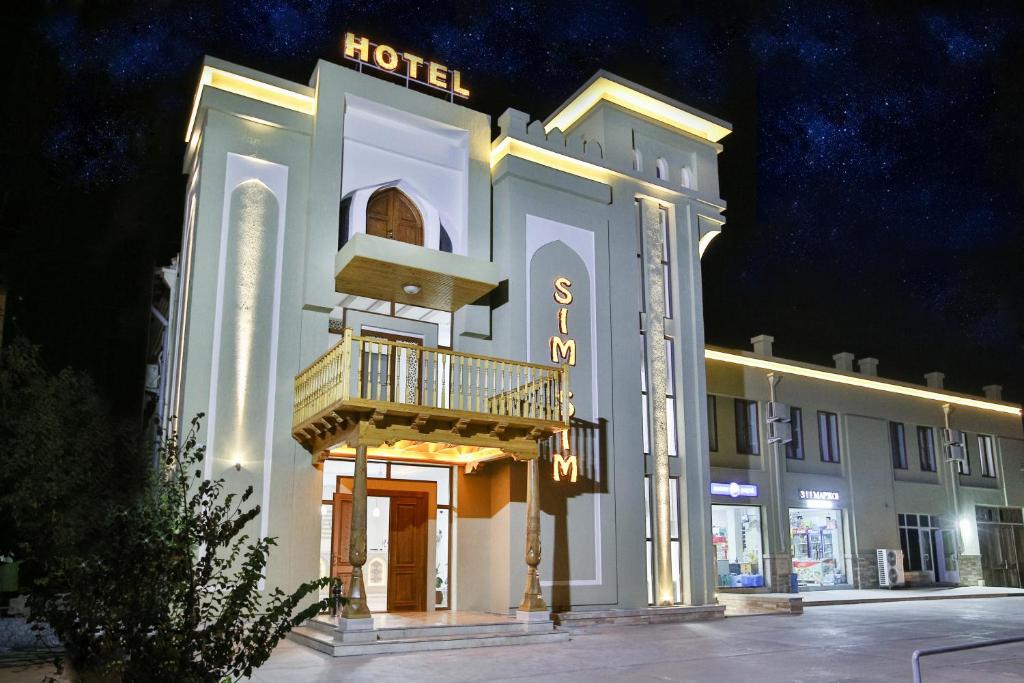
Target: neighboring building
{"points": [[424, 347], [866, 469]]}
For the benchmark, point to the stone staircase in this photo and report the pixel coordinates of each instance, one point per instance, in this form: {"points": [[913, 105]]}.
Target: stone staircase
{"points": [[320, 634]]}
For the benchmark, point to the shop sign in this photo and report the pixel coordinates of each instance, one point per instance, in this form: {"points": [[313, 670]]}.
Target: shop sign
{"points": [[404, 64], [808, 494], [733, 489]]}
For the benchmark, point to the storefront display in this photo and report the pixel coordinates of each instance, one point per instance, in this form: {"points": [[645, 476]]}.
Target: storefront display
{"points": [[736, 533], [819, 557]]}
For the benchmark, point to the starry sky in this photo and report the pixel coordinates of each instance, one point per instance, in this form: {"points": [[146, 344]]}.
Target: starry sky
{"points": [[873, 178]]}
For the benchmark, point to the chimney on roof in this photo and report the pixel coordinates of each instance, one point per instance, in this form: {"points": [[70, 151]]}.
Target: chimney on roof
{"points": [[844, 361], [868, 366], [993, 392], [762, 344], [934, 379]]}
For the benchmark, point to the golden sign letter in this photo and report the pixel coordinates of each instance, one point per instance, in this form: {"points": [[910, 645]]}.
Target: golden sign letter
{"points": [[457, 85], [357, 48], [414, 64], [563, 320], [565, 348], [386, 57], [566, 466], [437, 75], [562, 293]]}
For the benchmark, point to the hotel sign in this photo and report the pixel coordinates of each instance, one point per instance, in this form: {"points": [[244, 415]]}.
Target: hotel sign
{"points": [[733, 489], [404, 64], [565, 463]]}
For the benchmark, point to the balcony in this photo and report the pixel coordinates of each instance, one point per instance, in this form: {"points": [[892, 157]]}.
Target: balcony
{"points": [[380, 268], [420, 403]]}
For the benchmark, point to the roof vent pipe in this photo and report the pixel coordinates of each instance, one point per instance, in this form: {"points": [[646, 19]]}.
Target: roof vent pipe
{"points": [[993, 392], [844, 361], [762, 344], [868, 366]]}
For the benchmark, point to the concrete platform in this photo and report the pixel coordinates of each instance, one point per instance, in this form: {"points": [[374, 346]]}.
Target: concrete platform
{"points": [[739, 604], [644, 615], [426, 631], [855, 597]]}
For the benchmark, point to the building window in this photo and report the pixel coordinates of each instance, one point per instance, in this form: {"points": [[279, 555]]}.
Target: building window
{"points": [[661, 169], [666, 262], [898, 445], [675, 543], [964, 466], [986, 456], [795, 448], [638, 161], [747, 440], [926, 448], [712, 423], [687, 178], [828, 436]]}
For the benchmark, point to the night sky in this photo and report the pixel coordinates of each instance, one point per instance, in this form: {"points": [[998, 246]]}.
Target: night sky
{"points": [[874, 176]]}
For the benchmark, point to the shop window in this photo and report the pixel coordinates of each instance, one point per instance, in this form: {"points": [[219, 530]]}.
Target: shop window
{"points": [[795, 448], [712, 423], [747, 438], [926, 448], [819, 557], [828, 436], [898, 445], [736, 534], [986, 456]]}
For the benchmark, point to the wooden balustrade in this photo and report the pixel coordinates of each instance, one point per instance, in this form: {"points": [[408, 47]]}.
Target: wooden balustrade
{"points": [[377, 370]]}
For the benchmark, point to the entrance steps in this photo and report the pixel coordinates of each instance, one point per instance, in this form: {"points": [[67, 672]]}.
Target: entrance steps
{"points": [[421, 632]]}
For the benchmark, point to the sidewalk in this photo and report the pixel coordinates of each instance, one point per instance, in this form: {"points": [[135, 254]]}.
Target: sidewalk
{"points": [[855, 596]]}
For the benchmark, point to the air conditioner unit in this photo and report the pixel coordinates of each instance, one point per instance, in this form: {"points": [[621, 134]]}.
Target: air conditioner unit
{"points": [[890, 568]]}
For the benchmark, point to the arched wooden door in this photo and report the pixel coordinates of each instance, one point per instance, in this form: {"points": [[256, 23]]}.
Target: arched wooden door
{"points": [[391, 214]]}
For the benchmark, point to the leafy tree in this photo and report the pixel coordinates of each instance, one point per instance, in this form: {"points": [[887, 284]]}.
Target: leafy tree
{"points": [[144, 575], [175, 593]]}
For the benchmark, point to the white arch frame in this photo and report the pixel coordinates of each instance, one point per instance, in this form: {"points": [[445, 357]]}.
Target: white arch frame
{"points": [[431, 218]]}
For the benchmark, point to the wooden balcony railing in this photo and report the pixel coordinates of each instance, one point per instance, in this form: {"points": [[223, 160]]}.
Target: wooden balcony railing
{"points": [[365, 372]]}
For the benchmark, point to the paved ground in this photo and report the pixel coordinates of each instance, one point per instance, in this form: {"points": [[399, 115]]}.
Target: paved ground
{"points": [[864, 642], [813, 598]]}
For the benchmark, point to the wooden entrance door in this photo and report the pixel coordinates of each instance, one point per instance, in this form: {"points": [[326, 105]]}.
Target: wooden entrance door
{"points": [[391, 214], [407, 553], [341, 531]]}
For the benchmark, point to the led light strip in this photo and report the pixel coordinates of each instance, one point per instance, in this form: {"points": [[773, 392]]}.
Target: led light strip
{"points": [[712, 354], [638, 102], [248, 87]]}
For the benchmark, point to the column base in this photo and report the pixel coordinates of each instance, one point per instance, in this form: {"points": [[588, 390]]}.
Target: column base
{"points": [[534, 616], [356, 630], [777, 569]]}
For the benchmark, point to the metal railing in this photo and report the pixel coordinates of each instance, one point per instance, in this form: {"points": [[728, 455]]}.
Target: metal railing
{"points": [[918, 654], [373, 369]]}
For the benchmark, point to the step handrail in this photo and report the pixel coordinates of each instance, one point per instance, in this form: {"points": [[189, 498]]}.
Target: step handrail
{"points": [[924, 652]]}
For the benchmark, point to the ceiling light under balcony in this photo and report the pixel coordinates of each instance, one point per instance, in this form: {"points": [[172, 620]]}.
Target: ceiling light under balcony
{"points": [[411, 289]]}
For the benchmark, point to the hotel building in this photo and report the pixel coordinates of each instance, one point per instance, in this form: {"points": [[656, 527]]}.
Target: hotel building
{"points": [[465, 372]]}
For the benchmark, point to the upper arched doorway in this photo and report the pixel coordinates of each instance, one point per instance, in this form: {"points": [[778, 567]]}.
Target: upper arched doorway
{"points": [[391, 214]]}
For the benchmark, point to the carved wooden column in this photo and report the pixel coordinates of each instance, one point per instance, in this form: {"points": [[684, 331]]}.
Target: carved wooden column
{"points": [[533, 607], [356, 607]]}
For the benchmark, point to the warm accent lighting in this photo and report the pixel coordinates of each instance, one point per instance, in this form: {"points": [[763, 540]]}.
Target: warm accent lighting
{"points": [[864, 382], [546, 157], [629, 98], [248, 87], [705, 240]]}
